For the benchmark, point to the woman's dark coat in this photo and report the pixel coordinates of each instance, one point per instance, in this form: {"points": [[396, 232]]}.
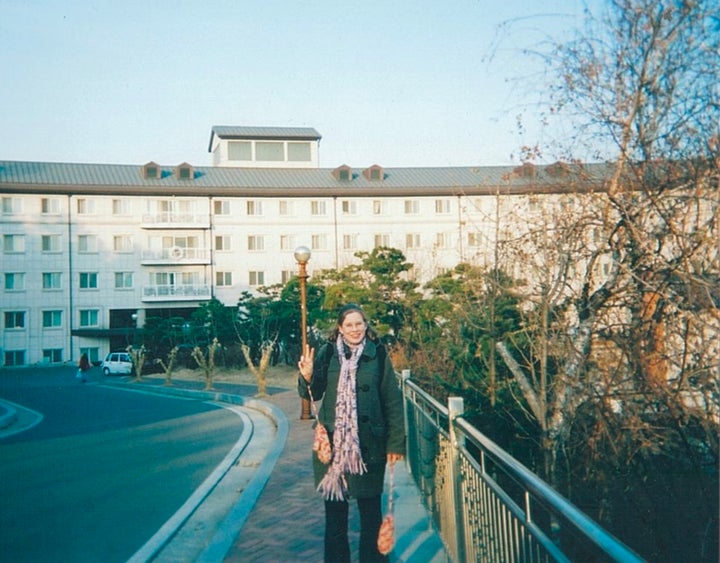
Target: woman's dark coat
{"points": [[380, 417]]}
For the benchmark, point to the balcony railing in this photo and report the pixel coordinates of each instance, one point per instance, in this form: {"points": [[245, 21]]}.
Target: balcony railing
{"points": [[486, 505], [176, 255], [176, 293], [167, 220]]}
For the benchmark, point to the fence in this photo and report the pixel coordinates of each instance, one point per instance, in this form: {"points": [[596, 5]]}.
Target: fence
{"points": [[486, 505]]}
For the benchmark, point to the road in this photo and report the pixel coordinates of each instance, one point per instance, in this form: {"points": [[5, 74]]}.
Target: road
{"points": [[104, 469]]}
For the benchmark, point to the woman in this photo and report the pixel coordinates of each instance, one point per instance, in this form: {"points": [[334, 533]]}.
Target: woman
{"points": [[83, 367], [362, 412]]}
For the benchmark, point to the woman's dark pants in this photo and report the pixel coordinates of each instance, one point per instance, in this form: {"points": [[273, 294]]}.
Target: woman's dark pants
{"points": [[337, 545]]}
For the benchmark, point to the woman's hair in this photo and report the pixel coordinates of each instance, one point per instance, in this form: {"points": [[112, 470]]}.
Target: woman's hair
{"points": [[343, 312]]}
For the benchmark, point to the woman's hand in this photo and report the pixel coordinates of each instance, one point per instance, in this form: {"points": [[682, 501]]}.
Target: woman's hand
{"points": [[392, 458], [307, 360]]}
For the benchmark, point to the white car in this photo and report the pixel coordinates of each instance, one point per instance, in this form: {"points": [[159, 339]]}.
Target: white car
{"points": [[117, 363]]}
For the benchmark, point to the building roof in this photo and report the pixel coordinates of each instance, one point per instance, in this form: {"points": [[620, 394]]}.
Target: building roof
{"points": [[263, 133], [75, 178]]}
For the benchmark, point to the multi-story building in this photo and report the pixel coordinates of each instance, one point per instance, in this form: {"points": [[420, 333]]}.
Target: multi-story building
{"points": [[90, 250]]}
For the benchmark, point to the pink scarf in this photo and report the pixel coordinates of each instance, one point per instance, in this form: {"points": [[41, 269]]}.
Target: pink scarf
{"points": [[346, 441]]}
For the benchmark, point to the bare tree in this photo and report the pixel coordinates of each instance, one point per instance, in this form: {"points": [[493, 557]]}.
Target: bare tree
{"points": [[623, 298], [205, 359], [260, 370]]}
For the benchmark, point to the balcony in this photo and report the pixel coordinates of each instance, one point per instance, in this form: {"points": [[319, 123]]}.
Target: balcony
{"points": [[157, 293], [175, 255], [167, 220]]}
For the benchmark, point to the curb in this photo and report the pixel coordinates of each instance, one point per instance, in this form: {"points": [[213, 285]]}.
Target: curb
{"points": [[228, 529], [8, 414]]}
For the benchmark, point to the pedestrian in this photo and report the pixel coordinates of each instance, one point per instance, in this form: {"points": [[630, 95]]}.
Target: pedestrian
{"points": [[362, 412], [83, 367]]}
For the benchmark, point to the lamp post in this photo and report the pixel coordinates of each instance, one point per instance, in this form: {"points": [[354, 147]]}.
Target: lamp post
{"points": [[302, 256]]}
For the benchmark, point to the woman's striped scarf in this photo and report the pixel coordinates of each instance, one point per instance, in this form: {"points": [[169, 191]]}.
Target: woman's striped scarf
{"points": [[346, 442]]}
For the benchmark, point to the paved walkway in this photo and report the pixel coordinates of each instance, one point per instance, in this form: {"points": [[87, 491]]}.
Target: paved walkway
{"points": [[287, 521]]}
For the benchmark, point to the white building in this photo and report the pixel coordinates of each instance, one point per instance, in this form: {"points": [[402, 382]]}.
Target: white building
{"points": [[90, 250]]}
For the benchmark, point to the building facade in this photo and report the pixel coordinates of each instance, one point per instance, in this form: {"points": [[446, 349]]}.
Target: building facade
{"points": [[90, 250]]}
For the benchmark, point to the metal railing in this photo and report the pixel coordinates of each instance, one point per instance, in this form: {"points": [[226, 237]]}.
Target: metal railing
{"points": [[485, 504]]}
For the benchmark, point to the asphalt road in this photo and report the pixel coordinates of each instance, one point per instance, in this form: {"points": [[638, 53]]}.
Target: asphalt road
{"points": [[105, 468]]}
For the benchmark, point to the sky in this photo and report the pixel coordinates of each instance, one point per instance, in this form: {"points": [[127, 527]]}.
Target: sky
{"points": [[390, 82]]}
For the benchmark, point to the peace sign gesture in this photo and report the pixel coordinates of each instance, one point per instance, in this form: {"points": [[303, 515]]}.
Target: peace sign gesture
{"points": [[307, 360]]}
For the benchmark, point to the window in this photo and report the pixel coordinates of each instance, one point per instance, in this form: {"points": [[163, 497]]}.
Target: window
{"points": [[442, 240], [239, 150], [350, 242], [319, 242], [412, 240], [223, 279], [378, 207], [256, 278], [120, 207], [269, 150], [51, 319], [442, 206], [53, 355], [381, 240], [256, 242], [11, 206], [88, 280], [287, 242], [14, 243], [567, 202], [14, 320], [123, 280], [122, 243], [254, 207], [222, 242], [151, 171], [87, 244], [317, 208], [50, 206], [221, 207], [286, 276], [349, 207], [51, 280], [375, 172], [14, 281], [50, 243], [88, 317], [179, 247], [474, 238], [298, 152], [184, 172], [285, 207], [412, 207], [85, 206], [14, 358], [343, 173]]}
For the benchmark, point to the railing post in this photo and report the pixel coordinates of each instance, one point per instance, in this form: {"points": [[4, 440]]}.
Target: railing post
{"points": [[456, 407], [404, 376]]}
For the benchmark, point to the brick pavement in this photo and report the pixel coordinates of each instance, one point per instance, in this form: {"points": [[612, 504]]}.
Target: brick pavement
{"points": [[287, 521]]}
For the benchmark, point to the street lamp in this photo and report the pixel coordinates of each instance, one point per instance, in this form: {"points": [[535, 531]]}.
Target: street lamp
{"points": [[302, 255]]}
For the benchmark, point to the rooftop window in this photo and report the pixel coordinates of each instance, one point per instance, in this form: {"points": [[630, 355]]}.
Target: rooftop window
{"points": [[343, 173], [150, 171], [184, 171], [374, 172]]}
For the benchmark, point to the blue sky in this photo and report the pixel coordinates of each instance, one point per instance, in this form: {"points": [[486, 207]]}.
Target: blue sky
{"points": [[395, 83]]}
